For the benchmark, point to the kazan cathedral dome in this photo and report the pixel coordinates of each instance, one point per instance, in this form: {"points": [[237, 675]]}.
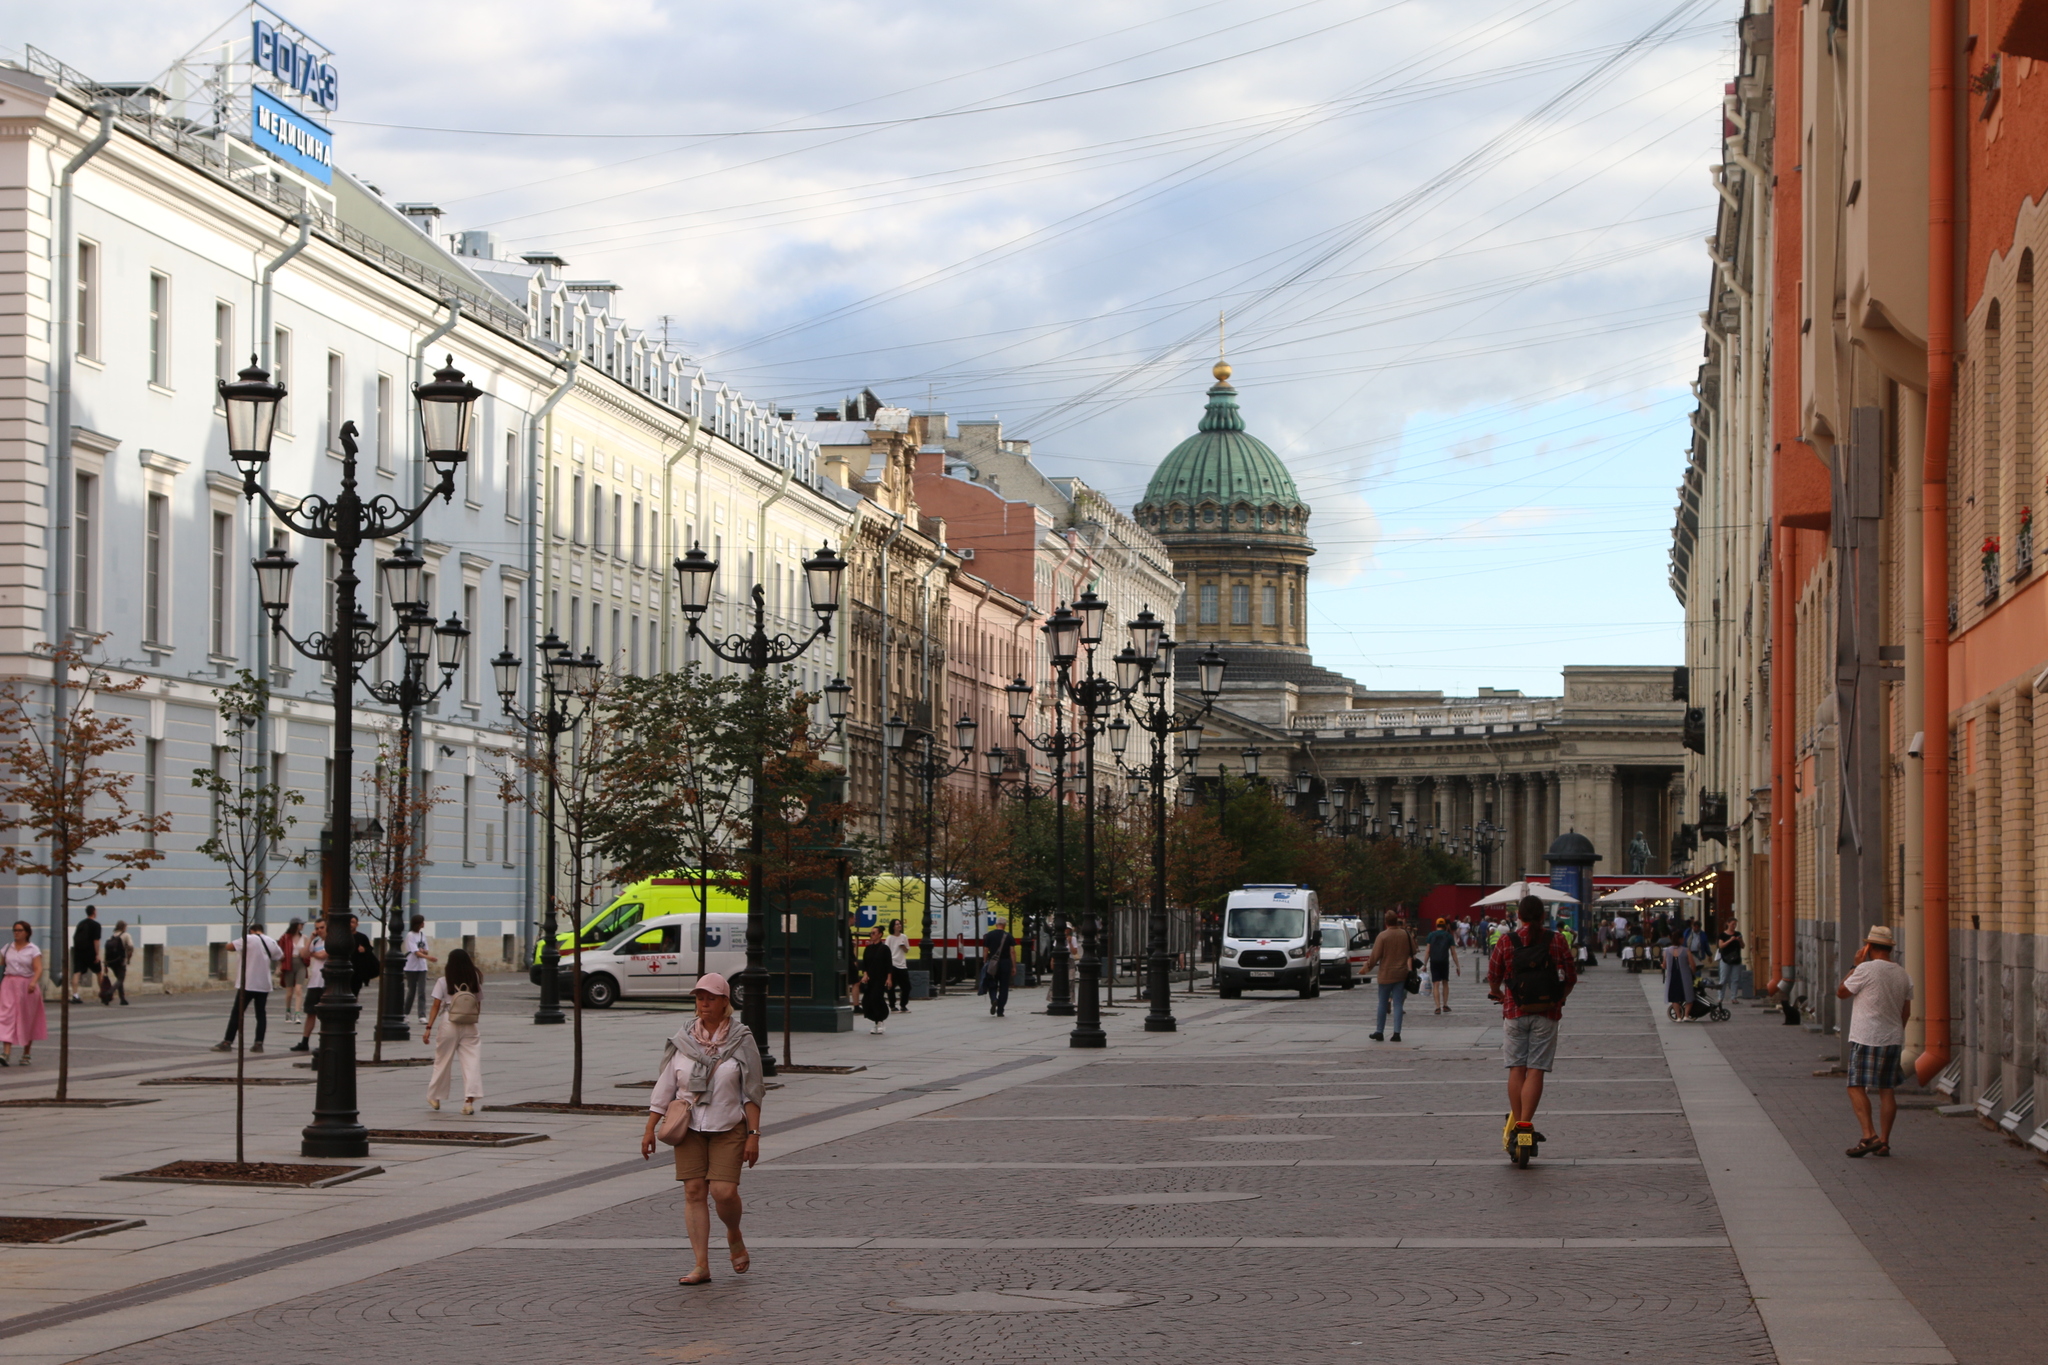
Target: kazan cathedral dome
{"points": [[1237, 529]]}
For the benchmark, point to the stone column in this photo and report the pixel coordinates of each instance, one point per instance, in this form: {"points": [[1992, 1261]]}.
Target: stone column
{"points": [[1601, 818]]}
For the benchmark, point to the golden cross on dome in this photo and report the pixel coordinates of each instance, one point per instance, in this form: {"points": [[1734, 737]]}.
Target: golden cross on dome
{"points": [[1222, 370]]}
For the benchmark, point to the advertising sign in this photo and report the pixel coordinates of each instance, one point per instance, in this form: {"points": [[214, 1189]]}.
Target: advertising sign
{"points": [[290, 136]]}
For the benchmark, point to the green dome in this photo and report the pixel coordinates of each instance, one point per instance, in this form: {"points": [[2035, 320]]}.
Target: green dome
{"points": [[1221, 463]]}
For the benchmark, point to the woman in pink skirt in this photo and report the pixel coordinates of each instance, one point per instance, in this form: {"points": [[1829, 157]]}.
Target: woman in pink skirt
{"points": [[21, 996]]}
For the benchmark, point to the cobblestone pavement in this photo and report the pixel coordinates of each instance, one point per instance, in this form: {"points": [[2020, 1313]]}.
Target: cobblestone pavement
{"points": [[1334, 1137], [1957, 1215]]}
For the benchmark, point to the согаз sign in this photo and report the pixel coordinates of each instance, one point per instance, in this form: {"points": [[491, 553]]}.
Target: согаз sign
{"points": [[297, 64], [290, 136]]}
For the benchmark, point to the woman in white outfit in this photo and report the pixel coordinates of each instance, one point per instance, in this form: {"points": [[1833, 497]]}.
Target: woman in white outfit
{"points": [[459, 993]]}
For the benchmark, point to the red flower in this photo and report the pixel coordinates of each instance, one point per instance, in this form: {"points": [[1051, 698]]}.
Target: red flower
{"points": [[1990, 546]]}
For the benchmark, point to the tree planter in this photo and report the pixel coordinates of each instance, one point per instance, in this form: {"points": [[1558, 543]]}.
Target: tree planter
{"points": [[35, 1231], [73, 1104], [266, 1175], [547, 1107], [453, 1137]]}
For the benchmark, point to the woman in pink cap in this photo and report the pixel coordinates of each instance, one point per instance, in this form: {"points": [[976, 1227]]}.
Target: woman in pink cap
{"points": [[714, 1067]]}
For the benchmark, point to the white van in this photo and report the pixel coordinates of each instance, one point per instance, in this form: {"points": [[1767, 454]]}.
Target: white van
{"points": [[657, 958], [1343, 953], [1271, 942]]}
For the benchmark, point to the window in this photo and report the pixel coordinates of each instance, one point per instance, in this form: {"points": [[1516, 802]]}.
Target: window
{"points": [[639, 546], [1208, 604], [1269, 605], [618, 524], [155, 531], [224, 342], [152, 768], [335, 375], [511, 481], [85, 550], [469, 600], [511, 623], [385, 454], [88, 299], [576, 508], [159, 330], [575, 623], [597, 516], [633, 646], [1240, 604], [617, 644], [280, 373], [217, 587]]}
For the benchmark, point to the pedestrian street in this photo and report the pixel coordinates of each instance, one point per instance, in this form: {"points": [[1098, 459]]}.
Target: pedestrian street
{"points": [[1265, 1180]]}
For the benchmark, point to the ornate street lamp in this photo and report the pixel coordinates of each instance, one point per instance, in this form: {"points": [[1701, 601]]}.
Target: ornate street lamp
{"points": [[824, 576], [348, 521], [922, 763], [568, 689]]}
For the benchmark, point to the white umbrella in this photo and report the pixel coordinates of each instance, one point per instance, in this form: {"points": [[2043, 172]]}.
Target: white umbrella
{"points": [[1514, 891], [1645, 891]]}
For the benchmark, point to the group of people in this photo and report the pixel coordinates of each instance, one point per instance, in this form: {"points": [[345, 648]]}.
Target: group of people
{"points": [[881, 986]]}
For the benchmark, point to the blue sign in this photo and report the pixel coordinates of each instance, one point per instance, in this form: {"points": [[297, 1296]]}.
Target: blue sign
{"points": [[290, 136], [294, 63]]}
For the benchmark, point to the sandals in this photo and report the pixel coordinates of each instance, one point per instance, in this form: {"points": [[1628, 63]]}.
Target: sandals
{"points": [[742, 1260], [694, 1278], [1867, 1146]]}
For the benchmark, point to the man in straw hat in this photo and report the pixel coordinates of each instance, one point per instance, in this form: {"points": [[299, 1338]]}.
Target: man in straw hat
{"points": [[1883, 993]]}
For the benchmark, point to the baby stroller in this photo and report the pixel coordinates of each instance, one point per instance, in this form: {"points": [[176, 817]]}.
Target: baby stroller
{"points": [[1707, 1001]]}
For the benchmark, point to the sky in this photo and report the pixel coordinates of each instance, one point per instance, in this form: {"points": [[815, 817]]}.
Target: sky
{"points": [[1455, 246]]}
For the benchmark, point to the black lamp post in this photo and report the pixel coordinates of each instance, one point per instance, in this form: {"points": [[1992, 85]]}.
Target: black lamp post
{"points": [[912, 746], [824, 576], [569, 685], [1058, 745], [1151, 704], [348, 521], [1070, 633], [423, 644]]}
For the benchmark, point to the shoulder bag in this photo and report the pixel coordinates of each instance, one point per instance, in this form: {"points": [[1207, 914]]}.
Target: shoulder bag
{"points": [[675, 1121]]}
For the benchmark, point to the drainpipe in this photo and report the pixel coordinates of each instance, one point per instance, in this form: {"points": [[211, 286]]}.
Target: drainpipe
{"points": [[1941, 300], [60, 612], [1913, 925], [259, 628], [537, 537], [882, 672]]}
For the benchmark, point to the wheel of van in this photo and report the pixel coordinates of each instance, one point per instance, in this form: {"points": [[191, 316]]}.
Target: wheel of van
{"points": [[1229, 992], [599, 992]]}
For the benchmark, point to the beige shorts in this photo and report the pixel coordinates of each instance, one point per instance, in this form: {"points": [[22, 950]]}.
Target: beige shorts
{"points": [[716, 1156]]}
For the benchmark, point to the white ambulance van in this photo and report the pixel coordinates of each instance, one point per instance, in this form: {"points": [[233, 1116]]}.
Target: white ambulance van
{"points": [[1272, 937]]}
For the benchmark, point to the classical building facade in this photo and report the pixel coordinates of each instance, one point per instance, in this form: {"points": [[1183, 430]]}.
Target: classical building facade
{"points": [[1855, 542], [1496, 776]]}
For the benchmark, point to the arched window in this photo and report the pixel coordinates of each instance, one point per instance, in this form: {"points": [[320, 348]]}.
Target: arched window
{"points": [[2023, 492]]}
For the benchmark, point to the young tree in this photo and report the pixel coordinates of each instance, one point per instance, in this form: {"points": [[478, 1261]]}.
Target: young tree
{"points": [[678, 793], [404, 807], [251, 820], [66, 806]]}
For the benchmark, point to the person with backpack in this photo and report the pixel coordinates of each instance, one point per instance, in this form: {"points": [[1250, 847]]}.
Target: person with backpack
{"points": [[119, 951], [996, 968], [1530, 974], [459, 993]]}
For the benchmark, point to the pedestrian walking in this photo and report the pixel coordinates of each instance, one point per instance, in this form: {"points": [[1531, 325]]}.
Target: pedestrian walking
{"points": [[996, 968], [1442, 961], [259, 956], [85, 951], [899, 967], [1883, 992], [119, 951], [417, 962], [316, 979], [1392, 960], [291, 973], [363, 959], [460, 993], [1678, 969], [877, 965], [1530, 974], [22, 1019], [707, 1103]]}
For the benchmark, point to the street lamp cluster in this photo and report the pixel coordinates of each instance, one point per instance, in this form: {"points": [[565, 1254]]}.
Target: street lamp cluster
{"points": [[348, 521]]}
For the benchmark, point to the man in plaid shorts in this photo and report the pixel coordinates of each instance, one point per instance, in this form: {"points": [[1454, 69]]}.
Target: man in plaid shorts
{"points": [[1883, 992]]}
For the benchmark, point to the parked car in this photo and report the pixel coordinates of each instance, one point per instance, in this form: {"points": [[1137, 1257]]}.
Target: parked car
{"points": [[1345, 945]]}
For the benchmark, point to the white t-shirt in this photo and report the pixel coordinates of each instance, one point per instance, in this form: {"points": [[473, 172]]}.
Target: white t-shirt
{"points": [[415, 950], [1882, 990], [316, 970], [260, 956], [899, 951]]}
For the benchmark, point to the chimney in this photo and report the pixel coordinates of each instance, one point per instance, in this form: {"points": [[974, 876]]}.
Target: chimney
{"points": [[425, 217]]}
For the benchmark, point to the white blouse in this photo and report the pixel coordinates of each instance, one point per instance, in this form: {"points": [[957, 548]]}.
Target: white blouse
{"points": [[22, 961], [721, 1107]]}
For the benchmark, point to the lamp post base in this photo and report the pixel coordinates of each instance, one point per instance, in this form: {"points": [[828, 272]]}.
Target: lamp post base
{"points": [[1167, 1024], [332, 1140], [545, 1015], [1062, 1008], [1088, 1037]]}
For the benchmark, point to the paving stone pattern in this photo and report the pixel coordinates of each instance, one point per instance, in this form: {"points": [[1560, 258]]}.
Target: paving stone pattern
{"points": [[1957, 1216], [551, 1301]]}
